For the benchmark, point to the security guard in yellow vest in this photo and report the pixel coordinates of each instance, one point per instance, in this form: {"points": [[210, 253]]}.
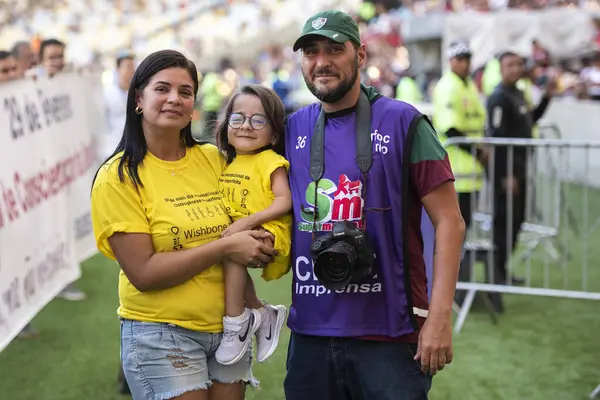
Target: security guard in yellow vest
{"points": [[458, 111]]}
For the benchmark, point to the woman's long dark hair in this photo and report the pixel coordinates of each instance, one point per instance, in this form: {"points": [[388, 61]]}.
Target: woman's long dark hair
{"points": [[133, 144], [275, 113]]}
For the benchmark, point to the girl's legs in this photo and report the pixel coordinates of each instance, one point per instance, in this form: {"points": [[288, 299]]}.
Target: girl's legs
{"points": [[236, 280], [250, 295], [272, 321], [239, 323]]}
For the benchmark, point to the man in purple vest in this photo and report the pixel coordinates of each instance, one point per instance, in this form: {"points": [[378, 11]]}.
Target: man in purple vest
{"points": [[362, 325]]}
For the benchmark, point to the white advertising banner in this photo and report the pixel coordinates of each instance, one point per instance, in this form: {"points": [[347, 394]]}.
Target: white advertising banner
{"points": [[48, 159], [94, 124], [564, 32]]}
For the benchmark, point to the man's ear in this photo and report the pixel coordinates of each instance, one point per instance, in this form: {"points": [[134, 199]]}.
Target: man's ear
{"points": [[362, 56]]}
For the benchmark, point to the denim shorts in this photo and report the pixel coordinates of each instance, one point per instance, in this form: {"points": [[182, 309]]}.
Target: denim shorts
{"points": [[163, 361]]}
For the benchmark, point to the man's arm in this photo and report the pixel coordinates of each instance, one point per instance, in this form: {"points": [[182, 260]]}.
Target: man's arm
{"points": [[443, 210], [499, 115], [499, 111], [432, 179], [435, 340], [540, 110]]}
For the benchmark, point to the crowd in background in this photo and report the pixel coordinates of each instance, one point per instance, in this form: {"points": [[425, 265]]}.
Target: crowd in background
{"points": [[389, 62], [275, 65], [99, 27]]}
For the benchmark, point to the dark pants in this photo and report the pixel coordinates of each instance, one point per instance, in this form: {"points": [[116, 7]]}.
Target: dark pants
{"points": [[325, 368], [505, 236]]}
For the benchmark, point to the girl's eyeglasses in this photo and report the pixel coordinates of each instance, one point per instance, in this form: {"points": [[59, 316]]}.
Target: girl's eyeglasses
{"points": [[257, 121]]}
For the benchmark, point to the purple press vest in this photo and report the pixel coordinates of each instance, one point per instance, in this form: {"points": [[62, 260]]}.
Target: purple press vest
{"points": [[381, 306]]}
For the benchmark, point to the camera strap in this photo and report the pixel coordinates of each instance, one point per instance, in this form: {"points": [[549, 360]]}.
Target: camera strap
{"points": [[364, 147]]}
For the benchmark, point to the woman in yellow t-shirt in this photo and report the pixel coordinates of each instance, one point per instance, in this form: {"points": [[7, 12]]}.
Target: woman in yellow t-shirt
{"points": [[256, 193], [157, 210]]}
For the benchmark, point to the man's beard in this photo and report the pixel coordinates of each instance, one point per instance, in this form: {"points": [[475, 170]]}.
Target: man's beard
{"points": [[337, 93]]}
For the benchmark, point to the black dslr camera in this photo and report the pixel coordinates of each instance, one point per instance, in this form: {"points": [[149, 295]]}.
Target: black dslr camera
{"points": [[342, 256]]}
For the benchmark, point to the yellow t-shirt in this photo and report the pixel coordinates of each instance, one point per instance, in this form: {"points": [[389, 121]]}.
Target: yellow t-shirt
{"points": [[180, 207], [246, 189]]}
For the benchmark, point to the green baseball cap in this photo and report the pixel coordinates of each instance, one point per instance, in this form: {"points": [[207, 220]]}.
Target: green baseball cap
{"points": [[335, 25]]}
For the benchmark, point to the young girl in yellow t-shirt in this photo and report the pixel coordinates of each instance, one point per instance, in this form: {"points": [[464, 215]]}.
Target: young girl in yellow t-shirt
{"points": [[256, 193]]}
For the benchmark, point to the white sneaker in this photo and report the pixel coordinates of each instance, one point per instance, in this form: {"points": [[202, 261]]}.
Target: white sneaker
{"points": [[237, 336], [267, 336]]}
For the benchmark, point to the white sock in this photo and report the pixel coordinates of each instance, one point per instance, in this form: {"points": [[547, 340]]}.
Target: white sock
{"points": [[262, 311], [240, 318]]}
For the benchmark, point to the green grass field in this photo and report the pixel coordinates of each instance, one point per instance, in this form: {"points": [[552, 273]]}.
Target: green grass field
{"points": [[542, 349]]}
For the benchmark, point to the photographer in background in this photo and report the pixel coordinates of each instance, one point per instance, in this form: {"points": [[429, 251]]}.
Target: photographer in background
{"points": [[362, 167]]}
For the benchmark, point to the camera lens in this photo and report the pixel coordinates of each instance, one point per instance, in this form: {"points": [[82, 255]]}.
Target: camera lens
{"points": [[334, 266]]}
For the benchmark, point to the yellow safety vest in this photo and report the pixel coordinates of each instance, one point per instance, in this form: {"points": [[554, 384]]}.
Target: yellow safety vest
{"points": [[490, 77], [457, 105], [408, 91]]}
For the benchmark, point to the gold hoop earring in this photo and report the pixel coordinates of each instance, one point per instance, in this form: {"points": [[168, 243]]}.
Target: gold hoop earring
{"points": [[138, 110]]}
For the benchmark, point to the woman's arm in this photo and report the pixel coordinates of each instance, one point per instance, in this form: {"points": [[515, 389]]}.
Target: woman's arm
{"points": [[281, 205], [147, 270]]}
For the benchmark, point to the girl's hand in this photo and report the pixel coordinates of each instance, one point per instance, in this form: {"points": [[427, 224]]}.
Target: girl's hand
{"points": [[269, 240], [240, 225], [247, 248]]}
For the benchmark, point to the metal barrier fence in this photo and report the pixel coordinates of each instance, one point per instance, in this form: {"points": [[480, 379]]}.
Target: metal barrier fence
{"points": [[559, 209], [560, 192]]}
